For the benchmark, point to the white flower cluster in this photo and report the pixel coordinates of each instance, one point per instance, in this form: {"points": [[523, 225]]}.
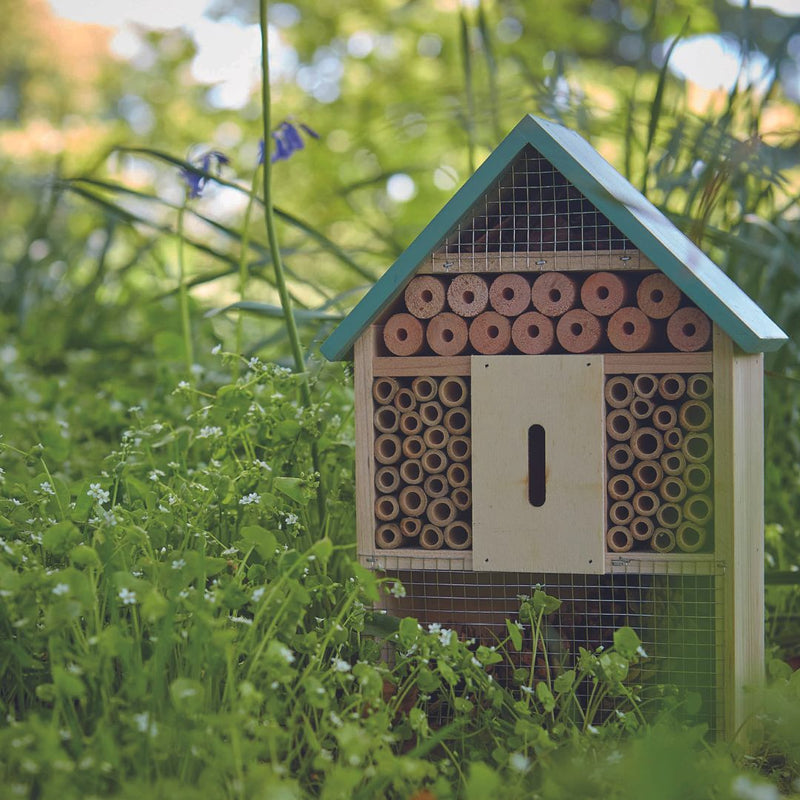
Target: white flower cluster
{"points": [[249, 499], [98, 493]]}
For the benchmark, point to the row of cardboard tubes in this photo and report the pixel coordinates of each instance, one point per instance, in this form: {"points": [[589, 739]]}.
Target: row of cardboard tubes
{"points": [[450, 317]]}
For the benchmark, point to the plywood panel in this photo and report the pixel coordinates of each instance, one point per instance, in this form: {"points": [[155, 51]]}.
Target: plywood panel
{"points": [[563, 261], [563, 394]]}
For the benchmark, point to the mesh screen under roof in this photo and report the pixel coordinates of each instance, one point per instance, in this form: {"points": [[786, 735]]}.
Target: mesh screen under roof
{"points": [[533, 208]]}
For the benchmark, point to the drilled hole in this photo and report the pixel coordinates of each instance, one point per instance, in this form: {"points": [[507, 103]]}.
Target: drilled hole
{"points": [[628, 328]]}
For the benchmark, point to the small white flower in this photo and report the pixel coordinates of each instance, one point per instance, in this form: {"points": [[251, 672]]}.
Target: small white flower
{"points": [[61, 589], [258, 593], [285, 653], [97, 492], [446, 636], [110, 517], [241, 620], [340, 665], [209, 431], [46, 487], [144, 725], [291, 519], [434, 627], [172, 499], [127, 596], [519, 762], [263, 465], [475, 662], [155, 474], [178, 563], [249, 499], [527, 689], [137, 573], [230, 551], [254, 362], [216, 349], [398, 590]]}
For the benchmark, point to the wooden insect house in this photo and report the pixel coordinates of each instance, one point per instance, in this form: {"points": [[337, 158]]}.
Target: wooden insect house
{"points": [[554, 386]]}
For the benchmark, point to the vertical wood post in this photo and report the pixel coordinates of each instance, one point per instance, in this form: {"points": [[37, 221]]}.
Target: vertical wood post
{"points": [[363, 350]]}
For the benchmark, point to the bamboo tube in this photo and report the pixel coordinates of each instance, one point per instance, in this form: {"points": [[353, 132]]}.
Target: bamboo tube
{"points": [[621, 512], [447, 334], [387, 448], [459, 448], [411, 423], [698, 509], [578, 331], [647, 443], [441, 511], [510, 294], [425, 388], [642, 528], [457, 421], [386, 419], [434, 461], [387, 479], [673, 438], [453, 391], [697, 477], [619, 391], [690, 538], [664, 418], [554, 293], [603, 293], [669, 515], [620, 425], [672, 386], [410, 527], [630, 330], [490, 333], [663, 540], [413, 501], [404, 400], [619, 539], [688, 329], [411, 471], [436, 486], [641, 408], [403, 335], [431, 413], [413, 446], [697, 447], [672, 489], [673, 463], [384, 390], [468, 295], [436, 437], [425, 296], [533, 333], [458, 535], [431, 537], [621, 487], [695, 415], [645, 503], [658, 296], [645, 385], [388, 536], [457, 475], [462, 498], [699, 387], [620, 456], [648, 474], [386, 507]]}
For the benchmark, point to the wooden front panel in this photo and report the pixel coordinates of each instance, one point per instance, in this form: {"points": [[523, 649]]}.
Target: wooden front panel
{"points": [[563, 395]]}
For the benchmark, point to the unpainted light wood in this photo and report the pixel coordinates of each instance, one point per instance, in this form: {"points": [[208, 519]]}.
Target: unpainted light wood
{"points": [[616, 260], [417, 558], [420, 365], [365, 442], [636, 363], [633, 563], [563, 394]]}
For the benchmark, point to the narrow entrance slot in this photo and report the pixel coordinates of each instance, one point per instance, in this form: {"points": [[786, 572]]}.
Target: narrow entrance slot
{"points": [[536, 465]]}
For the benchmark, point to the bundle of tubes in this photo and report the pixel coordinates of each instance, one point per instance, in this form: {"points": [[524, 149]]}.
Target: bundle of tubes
{"points": [[422, 463], [551, 312], [660, 488]]}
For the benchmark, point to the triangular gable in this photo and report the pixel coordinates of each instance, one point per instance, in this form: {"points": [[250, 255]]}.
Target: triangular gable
{"points": [[610, 195]]}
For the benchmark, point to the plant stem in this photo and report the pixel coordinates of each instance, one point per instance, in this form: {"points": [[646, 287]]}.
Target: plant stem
{"points": [[183, 295], [243, 271]]}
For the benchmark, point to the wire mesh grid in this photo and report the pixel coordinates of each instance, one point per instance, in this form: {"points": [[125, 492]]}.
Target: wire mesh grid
{"points": [[533, 208], [677, 617]]}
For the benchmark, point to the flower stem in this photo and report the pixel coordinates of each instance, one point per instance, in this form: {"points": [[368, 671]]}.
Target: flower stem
{"points": [[243, 271], [183, 297]]}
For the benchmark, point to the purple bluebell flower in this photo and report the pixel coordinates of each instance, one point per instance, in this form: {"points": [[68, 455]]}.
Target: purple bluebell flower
{"points": [[192, 175], [287, 140]]}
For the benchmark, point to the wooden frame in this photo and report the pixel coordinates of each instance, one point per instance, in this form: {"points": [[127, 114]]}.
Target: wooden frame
{"points": [[545, 261]]}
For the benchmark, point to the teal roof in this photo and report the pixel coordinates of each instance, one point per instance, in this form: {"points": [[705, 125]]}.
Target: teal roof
{"points": [[624, 206]]}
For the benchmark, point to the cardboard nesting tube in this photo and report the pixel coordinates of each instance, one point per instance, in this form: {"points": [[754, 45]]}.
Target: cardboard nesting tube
{"points": [[388, 536], [699, 387], [413, 446], [658, 296], [664, 417], [458, 535], [510, 294], [457, 421], [669, 515], [434, 461], [619, 539], [453, 391], [459, 448], [386, 507], [621, 487], [404, 400], [673, 438], [425, 296], [384, 390], [386, 419], [387, 448], [619, 391], [387, 479], [436, 437], [697, 447], [554, 293], [410, 527], [690, 537], [673, 463], [462, 498], [490, 333], [648, 474], [425, 388], [645, 503], [431, 412], [695, 415], [403, 335], [672, 387], [645, 385], [642, 528], [436, 486], [630, 330], [663, 540], [447, 334], [458, 475], [641, 408], [533, 333], [411, 471], [468, 295], [431, 537], [620, 456], [688, 329], [413, 501], [441, 511], [578, 331], [621, 512], [697, 477], [411, 423], [672, 489], [603, 293], [698, 509], [620, 425], [647, 443]]}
